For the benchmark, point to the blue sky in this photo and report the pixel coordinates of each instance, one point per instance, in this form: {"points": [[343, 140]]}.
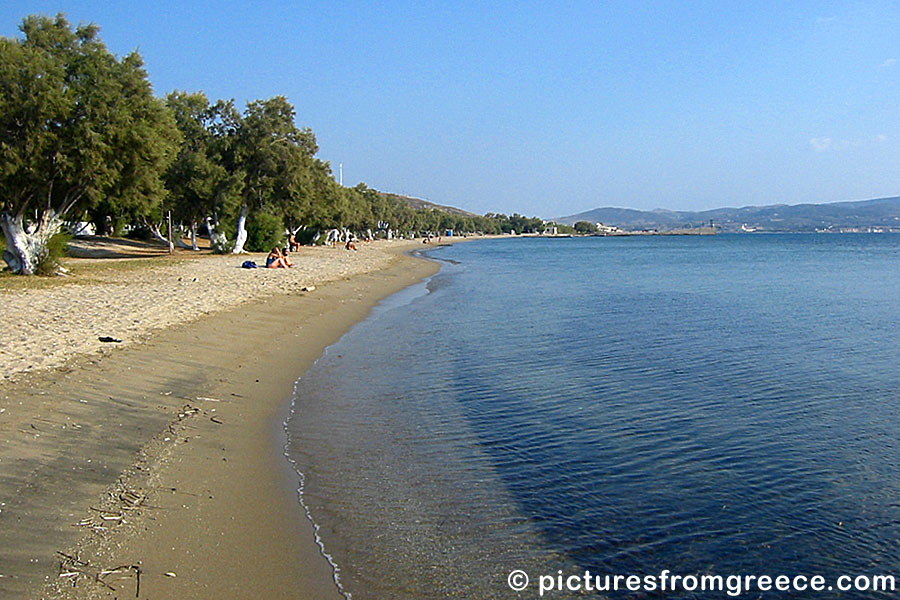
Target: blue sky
{"points": [[550, 109]]}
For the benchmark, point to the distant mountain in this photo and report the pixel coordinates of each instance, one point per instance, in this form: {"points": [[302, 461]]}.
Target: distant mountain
{"points": [[878, 214], [420, 204]]}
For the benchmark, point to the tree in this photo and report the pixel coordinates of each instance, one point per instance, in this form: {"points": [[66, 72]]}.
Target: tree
{"points": [[199, 184], [585, 227], [271, 151], [78, 126]]}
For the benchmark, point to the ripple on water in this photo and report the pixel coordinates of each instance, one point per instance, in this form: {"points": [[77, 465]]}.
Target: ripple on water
{"points": [[710, 405]]}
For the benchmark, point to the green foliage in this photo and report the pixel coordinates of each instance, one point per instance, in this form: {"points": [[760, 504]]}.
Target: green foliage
{"points": [[199, 182], [585, 227], [141, 232], [500, 223], [79, 126], [264, 232], [57, 246], [82, 132]]}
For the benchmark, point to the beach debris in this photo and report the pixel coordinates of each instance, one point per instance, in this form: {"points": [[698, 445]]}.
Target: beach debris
{"points": [[109, 515], [170, 574], [308, 288], [215, 420], [131, 498], [205, 399], [108, 339], [72, 567]]}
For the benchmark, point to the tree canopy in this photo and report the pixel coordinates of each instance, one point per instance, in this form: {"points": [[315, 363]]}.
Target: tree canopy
{"points": [[79, 128], [83, 137]]}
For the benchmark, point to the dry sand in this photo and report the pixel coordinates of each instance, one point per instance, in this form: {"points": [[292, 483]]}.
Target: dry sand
{"points": [[45, 327], [161, 458]]}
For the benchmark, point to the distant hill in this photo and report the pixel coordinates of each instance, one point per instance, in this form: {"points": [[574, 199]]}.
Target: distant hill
{"points": [[420, 204], [880, 214]]}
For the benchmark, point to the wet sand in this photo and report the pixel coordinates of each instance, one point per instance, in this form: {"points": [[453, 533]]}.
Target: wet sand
{"points": [[161, 461]]}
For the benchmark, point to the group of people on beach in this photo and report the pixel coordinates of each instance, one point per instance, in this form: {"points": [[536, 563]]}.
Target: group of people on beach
{"points": [[278, 259]]}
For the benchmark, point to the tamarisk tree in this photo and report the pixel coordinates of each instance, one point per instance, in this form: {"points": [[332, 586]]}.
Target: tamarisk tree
{"points": [[274, 155], [77, 126], [200, 187]]}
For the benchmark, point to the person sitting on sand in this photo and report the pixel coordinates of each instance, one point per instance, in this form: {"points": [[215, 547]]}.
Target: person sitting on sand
{"points": [[285, 254], [276, 260], [350, 245], [293, 244]]}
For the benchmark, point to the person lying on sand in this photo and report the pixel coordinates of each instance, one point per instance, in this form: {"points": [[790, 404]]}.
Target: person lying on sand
{"points": [[277, 260]]}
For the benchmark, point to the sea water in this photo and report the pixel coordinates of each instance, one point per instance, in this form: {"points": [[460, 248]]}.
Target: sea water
{"points": [[722, 405]]}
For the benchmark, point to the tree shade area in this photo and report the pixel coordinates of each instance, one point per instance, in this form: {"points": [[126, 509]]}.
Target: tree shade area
{"points": [[83, 139]]}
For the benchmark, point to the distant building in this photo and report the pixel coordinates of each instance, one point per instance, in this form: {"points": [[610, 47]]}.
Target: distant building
{"points": [[607, 229]]}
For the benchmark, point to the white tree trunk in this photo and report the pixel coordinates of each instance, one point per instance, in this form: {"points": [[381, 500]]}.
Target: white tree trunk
{"points": [[194, 245], [241, 237], [332, 237], [26, 249], [157, 234], [218, 241]]}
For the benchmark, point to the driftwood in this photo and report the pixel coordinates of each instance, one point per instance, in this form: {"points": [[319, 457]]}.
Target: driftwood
{"points": [[74, 567]]}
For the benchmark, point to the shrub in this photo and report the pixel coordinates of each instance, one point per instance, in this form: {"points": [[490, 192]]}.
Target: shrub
{"points": [[48, 264], [140, 232], [265, 232]]}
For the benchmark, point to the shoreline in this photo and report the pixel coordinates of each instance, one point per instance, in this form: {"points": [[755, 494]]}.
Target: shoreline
{"points": [[163, 457]]}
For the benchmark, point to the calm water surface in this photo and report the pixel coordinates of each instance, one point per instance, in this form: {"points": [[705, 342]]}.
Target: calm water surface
{"points": [[719, 405]]}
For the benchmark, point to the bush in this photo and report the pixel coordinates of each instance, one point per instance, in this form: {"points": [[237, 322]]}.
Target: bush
{"points": [[140, 232], [57, 246], [265, 232], [306, 237]]}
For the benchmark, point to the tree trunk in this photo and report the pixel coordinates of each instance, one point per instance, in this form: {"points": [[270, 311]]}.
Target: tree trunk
{"points": [[333, 237], [26, 249], [194, 245], [157, 234], [241, 237], [217, 239]]}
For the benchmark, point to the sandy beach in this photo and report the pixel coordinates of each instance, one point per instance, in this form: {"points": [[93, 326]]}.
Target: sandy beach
{"points": [[152, 467]]}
